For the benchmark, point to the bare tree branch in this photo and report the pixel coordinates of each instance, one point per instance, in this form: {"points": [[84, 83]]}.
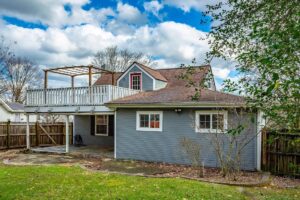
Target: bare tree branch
{"points": [[114, 59]]}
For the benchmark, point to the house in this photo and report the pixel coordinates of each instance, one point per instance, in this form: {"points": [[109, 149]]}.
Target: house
{"points": [[14, 112], [143, 113]]}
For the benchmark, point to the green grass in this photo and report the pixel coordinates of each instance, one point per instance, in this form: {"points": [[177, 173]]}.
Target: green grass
{"points": [[60, 182]]}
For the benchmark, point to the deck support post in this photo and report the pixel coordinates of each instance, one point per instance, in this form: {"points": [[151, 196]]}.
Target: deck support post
{"points": [[67, 134], [27, 132], [260, 125]]}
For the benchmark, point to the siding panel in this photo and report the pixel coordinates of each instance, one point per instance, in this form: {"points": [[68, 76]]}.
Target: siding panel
{"points": [[147, 82], [82, 126], [164, 146]]}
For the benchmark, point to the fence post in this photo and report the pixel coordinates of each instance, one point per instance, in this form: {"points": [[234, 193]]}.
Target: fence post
{"points": [[37, 135], [8, 134]]}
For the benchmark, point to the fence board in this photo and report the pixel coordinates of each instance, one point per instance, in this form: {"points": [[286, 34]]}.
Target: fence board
{"points": [[281, 153], [13, 135]]}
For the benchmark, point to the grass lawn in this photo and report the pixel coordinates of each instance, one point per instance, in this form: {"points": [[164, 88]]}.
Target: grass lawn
{"points": [[61, 182]]}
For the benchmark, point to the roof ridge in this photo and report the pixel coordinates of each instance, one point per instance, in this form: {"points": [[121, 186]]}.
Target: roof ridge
{"points": [[183, 67]]}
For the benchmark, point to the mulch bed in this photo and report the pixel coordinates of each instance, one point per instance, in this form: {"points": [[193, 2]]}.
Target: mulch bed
{"points": [[213, 175]]}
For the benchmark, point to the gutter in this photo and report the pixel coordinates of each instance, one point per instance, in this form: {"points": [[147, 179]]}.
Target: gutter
{"points": [[172, 105]]}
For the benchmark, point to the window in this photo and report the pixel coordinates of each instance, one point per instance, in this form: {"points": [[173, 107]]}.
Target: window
{"points": [[211, 121], [136, 81], [149, 121], [101, 125]]}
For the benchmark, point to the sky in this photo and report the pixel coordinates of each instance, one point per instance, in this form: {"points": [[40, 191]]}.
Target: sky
{"points": [[56, 33]]}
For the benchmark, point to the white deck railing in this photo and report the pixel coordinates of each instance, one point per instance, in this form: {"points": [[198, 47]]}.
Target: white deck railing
{"points": [[95, 95]]}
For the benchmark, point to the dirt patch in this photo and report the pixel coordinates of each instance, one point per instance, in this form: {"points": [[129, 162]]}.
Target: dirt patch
{"points": [[285, 182], [9, 154]]}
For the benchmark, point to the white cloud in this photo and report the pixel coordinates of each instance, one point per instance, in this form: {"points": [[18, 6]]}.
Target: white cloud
{"points": [[130, 14], [178, 43], [187, 5], [53, 13], [221, 72], [170, 42], [153, 7]]}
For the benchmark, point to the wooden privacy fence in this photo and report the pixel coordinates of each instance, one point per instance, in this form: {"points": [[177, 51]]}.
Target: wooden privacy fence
{"points": [[281, 152], [13, 135]]}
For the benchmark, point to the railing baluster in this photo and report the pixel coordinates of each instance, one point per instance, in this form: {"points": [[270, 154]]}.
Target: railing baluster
{"points": [[95, 95]]}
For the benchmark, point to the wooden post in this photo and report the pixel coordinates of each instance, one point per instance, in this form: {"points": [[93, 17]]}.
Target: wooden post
{"points": [[67, 134], [113, 78], [72, 85], [8, 134], [46, 80], [37, 135], [45, 86], [27, 132], [90, 76]]}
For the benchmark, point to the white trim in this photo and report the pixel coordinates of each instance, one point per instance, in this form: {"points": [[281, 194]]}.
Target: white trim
{"points": [[27, 133], [172, 105], [107, 130], [138, 128], [260, 124], [8, 108], [210, 112], [126, 72], [141, 81], [67, 134], [115, 135]]}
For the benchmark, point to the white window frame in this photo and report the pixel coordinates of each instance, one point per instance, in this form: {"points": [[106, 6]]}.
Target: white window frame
{"points": [[138, 113], [210, 112], [141, 79], [107, 130]]}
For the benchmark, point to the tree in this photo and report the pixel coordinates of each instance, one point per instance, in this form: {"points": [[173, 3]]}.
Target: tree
{"points": [[263, 38], [18, 74], [114, 59], [5, 55], [193, 150]]}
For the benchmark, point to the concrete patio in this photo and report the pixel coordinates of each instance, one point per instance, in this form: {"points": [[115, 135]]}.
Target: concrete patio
{"points": [[82, 151]]}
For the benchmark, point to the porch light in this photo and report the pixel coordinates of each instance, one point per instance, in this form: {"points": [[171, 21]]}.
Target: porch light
{"points": [[178, 110]]}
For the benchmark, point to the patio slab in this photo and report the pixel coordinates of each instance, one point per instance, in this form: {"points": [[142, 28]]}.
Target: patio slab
{"points": [[83, 151]]}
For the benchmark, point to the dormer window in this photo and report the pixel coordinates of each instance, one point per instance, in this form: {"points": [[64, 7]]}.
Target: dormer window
{"points": [[136, 81]]}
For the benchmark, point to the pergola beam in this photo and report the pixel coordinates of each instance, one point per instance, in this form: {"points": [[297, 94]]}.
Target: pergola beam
{"points": [[74, 71]]}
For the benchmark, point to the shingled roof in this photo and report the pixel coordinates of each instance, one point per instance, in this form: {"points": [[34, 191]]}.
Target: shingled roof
{"points": [[154, 73], [177, 92]]}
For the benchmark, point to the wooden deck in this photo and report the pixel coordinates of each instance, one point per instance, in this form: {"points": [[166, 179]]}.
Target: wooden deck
{"points": [[78, 96]]}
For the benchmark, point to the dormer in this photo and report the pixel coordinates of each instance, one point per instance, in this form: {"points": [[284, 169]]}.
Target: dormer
{"points": [[141, 77]]}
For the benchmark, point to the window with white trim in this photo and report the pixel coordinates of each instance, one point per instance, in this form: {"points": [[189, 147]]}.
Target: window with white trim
{"points": [[101, 125], [211, 121], [136, 81], [149, 120]]}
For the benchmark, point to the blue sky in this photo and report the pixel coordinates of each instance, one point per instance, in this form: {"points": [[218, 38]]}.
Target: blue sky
{"points": [[70, 32]]}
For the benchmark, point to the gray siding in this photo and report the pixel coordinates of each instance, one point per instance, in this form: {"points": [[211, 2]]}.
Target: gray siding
{"points": [[147, 81], [82, 126], [164, 146], [160, 84]]}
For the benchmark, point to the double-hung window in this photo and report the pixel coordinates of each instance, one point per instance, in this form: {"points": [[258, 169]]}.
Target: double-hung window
{"points": [[136, 81], [211, 121], [149, 120], [101, 125]]}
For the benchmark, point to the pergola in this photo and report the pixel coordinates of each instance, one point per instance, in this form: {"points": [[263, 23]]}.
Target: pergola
{"points": [[73, 71]]}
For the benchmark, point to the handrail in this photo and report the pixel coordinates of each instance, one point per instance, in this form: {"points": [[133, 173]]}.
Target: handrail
{"points": [[94, 95]]}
